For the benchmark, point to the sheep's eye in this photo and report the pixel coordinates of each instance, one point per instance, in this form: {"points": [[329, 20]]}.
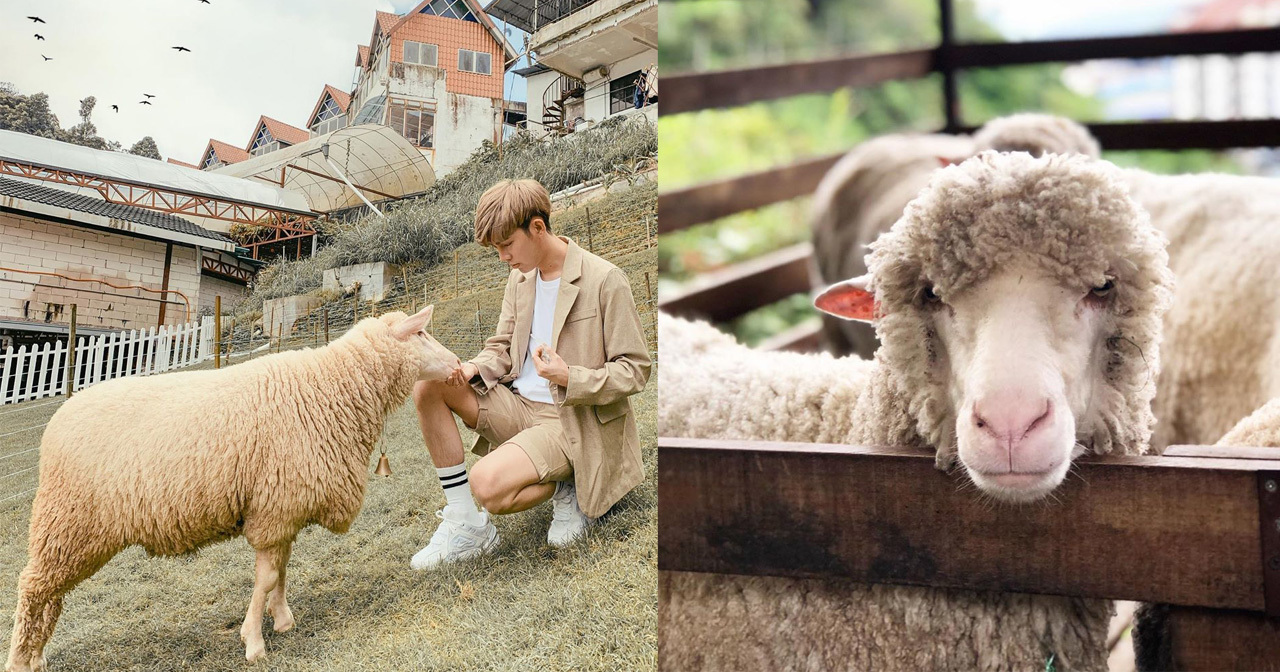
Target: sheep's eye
{"points": [[1105, 289], [928, 295]]}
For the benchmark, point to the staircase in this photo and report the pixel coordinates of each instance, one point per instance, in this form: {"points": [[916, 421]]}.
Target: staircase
{"points": [[555, 101]]}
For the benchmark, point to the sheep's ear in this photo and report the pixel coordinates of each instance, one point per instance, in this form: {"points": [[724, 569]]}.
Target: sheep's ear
{"points": [[852, 299], [413, 324], [944, 161]]}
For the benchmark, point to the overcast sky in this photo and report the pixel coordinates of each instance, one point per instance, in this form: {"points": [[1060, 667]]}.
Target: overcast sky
{"points": [[1029, 20], [248, 58]]}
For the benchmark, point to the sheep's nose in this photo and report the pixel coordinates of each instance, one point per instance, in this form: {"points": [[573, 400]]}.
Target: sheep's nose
{"points": [[1011, 416]]}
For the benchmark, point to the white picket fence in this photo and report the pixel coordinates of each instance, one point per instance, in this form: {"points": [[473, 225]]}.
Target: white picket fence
{"points": [[41, 372]]}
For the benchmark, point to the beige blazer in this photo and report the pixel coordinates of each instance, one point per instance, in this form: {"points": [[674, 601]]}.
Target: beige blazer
{"points": [[596, 329]]}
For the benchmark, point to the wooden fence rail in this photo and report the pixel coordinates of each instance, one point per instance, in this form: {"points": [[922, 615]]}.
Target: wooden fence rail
{"points": [[1171, 529], [1197, 529]]}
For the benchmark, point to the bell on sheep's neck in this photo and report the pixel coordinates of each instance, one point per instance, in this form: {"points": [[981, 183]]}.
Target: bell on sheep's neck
{"points": [[384, 466]]}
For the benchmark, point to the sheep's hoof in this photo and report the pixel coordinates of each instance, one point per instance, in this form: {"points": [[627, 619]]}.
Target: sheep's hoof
{"points": [[283, 623], [255, 651]]}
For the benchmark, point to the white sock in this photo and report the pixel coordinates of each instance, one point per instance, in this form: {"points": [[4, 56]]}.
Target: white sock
{"points": [[457, 491]]}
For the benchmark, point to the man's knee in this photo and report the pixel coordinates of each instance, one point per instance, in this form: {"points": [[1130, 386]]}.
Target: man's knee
{"points": [[486, 487], [428, 392]]}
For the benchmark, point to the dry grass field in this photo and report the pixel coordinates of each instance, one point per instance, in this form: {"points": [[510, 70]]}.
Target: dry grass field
{"points": [[592, 606]]}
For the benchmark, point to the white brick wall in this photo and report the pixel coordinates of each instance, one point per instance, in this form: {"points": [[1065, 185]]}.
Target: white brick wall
{"points": [[32, 245]]}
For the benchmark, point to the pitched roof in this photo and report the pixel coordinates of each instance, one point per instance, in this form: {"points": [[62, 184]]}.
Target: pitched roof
{"points": [[289, 135], [181, 163], [362, 55], [96, 206], [387, 21], [342, 98], [478, 10], [226, 153]]}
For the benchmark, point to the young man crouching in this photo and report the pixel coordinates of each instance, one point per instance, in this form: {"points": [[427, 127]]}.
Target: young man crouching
{"points": [[548, 394]]}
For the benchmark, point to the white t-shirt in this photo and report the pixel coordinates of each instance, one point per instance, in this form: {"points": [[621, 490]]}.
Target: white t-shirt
{"points": [[529, 384]]}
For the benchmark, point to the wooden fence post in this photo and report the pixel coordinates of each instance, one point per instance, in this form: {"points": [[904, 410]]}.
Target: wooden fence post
{"points": [[326, 325], [217, 331], [71, 355], [590, 245], [455, 272]]}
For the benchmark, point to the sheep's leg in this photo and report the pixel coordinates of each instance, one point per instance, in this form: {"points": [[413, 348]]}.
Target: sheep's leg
{"points": [[267, 574], [41, 588], [281, 614]]}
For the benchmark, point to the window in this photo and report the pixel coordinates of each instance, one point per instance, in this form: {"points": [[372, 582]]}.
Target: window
{"points": [[453, 9], [211, 161], [415, 120], [474, 61], [263, 143], [329, 125], [622, 93], [419, 53]]}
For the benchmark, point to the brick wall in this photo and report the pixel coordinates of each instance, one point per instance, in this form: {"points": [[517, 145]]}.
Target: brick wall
{"points": [[29, 244], [450, 35]]}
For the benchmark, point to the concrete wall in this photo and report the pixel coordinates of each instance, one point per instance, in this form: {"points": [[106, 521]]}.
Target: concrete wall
{"points": [[30, 244], [375, 278], [462, 122], [211, 287], [597, 104]]}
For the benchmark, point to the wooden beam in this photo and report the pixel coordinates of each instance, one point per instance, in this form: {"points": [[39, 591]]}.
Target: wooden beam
{"points": [[1158, 529], [730, 292], [1192, 639], [1143, 46], [726, 88], [682, 208]]}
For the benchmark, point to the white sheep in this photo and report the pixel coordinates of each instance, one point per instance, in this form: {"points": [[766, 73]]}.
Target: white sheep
{"points": [[1019, 302], [178, 461], [1220, 362], [867, 190]]}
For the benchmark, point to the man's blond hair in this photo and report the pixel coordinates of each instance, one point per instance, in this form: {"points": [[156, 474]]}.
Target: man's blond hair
{"points": [[510, 205]]}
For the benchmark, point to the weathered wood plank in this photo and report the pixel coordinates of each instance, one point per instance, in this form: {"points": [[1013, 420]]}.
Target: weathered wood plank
{"points": [[806, 337], [730, 292], [1229, 452], [1158, 529], [725, 88], [1191, 639], [681, 208]]}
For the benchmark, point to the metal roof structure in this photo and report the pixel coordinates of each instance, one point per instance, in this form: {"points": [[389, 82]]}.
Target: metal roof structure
{"points": [[27, 197], [210, 200], [374, 158]]}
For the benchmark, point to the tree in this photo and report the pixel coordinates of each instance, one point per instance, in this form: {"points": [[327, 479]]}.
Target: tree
{"points": [[27, 114], [146, 147], [85, 133]]}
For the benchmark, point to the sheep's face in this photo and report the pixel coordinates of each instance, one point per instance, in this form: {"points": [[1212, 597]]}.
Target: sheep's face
{"points": [[1021, 355], [1018, 305], [435, 362]]}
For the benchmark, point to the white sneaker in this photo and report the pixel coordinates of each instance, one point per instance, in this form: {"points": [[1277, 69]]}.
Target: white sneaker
{"points": [[456, 539], [568, 522]]}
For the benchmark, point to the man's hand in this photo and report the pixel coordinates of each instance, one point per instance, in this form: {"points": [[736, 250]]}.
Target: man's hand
{"points": [[462, 374], [550, 365]]}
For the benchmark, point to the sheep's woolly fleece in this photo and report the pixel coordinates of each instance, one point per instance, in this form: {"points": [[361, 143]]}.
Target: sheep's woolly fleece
{"points": [[1071, 218], [173, 460], [1036, 134]]}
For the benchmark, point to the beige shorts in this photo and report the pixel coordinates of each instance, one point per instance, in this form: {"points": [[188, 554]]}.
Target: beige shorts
{"points": [[506, 417]]}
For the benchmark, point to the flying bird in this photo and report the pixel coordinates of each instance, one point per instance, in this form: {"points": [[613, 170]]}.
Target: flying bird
{"points": [[144, 102], [206, 2], [36, 19], [180, 48], [45, 57], [40, 37], [116, 108], [148, 95]]}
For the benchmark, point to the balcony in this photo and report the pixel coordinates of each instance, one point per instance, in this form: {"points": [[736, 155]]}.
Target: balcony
{"points": [[585, 35]]}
